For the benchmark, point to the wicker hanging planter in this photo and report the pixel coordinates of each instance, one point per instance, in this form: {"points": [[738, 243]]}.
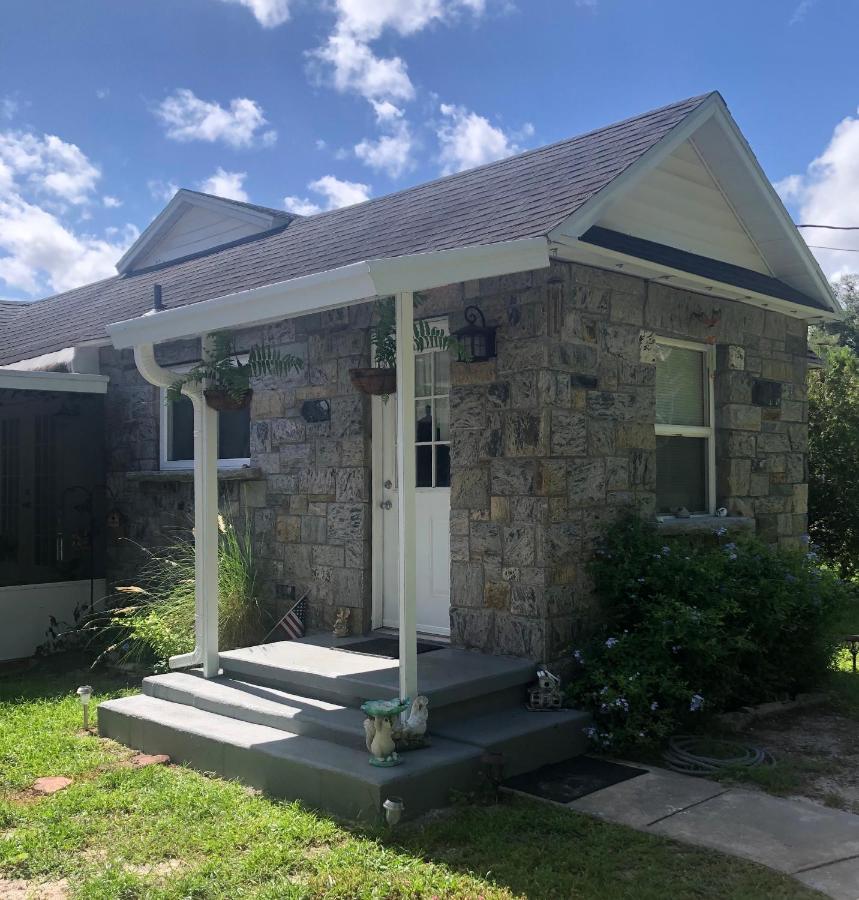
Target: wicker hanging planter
{"points": [[223, 402], [375, 382]]}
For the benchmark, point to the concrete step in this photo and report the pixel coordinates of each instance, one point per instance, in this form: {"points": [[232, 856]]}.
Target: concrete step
{"points": [[261, 705], [458, 682], [526, 739], [322, 774]]}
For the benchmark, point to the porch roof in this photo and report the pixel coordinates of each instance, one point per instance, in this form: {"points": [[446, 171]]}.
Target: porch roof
{"points": [[66, 382]]}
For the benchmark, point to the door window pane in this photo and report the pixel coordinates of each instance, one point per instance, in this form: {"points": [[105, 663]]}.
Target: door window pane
{"points": [[423, 375], [442, 372], [680, 387], [681, 474], [442, 419], [423, 466], [442, 465], [423, 421]]}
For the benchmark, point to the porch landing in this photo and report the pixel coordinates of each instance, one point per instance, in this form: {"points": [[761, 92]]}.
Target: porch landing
{"points": [[284, 718]]}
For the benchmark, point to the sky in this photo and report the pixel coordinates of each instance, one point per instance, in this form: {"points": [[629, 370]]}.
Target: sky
{"points": [[108, 106]]}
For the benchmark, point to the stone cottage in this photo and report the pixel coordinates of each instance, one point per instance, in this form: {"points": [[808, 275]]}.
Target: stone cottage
{"points": [[649, 297]]}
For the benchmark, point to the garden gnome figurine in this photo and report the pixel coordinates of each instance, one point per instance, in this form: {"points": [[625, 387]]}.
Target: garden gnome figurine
{"points": [[342, 626]]}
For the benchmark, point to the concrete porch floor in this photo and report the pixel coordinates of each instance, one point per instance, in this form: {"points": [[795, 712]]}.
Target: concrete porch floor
{"points": [[284, 717]]}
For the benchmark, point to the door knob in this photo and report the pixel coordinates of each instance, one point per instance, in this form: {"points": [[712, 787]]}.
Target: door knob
{"points": [[386, 504], [388, 483]]}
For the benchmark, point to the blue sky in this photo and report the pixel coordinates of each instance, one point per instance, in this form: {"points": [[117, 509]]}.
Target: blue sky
{"points": [[106, 106]]}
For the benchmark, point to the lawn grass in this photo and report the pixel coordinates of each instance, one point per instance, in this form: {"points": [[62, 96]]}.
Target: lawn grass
{"points": [[120, 833]]}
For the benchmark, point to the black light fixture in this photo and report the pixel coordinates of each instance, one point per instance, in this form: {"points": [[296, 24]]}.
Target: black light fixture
{"points": [[316, 411], [477, 339]]}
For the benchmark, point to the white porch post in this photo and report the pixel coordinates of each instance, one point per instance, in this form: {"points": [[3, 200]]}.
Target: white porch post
{"points": [[406, 480], [206, 525]]}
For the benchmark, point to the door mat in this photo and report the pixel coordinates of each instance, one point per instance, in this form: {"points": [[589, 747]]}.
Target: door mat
{"points": [[388, 647], [566, 781]]}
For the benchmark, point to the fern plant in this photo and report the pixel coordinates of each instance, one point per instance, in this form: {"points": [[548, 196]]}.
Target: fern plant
{"points": [[223, 369], [383, 335]]}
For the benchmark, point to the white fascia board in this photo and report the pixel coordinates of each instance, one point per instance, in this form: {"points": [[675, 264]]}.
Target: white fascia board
{"points": [[67, 382], [593, 255], [360, 281]]}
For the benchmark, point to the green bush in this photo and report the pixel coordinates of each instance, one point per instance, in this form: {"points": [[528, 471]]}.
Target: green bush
{"points": [[152, 620], [692, 629]]}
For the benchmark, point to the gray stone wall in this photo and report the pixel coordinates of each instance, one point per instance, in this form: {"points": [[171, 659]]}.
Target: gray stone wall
{"points": [[555, 437], [550, 442]]}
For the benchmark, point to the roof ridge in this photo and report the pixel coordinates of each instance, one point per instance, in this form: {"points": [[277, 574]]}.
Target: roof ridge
{"points": [[281, 213], [697, 100]]}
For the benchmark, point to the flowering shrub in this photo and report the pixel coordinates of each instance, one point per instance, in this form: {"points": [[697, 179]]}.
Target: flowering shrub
{"points": [[691, 629]]}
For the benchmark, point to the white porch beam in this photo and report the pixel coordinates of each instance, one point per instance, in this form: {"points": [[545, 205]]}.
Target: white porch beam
{"points": [[406, 480], [205, 650]]}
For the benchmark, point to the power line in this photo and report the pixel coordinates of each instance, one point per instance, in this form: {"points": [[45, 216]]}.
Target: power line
{"points": [[833, 227], [837, 249]]}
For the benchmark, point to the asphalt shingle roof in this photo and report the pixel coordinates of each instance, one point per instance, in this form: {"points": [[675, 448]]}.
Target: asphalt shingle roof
{"points": [[518, 197]]}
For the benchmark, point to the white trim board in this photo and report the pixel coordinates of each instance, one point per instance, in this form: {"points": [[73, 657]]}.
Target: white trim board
{"points": [[332, 289], [68, 382]]}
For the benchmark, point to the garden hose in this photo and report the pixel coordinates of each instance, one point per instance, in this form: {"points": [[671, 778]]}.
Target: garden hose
{"points": [[684, 754]]}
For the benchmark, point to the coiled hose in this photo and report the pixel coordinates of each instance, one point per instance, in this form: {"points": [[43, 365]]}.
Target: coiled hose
{"points": [[689, 754]]}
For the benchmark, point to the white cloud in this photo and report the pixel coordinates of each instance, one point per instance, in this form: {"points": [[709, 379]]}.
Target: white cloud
{"points": [[39, 251], [355, 68], [102, 93], [9, 107], [269, 13], [801, 11], [226, 184], [386, 111], [188, 118], [827, 193], [467, 139], [49, 165], [335, 191], [353, 65], [161, 190], [391, 153], [111, 202]]}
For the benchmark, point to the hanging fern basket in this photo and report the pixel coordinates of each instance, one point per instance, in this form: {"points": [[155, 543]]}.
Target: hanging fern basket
{"points": [[375, 382], [225, 402]]}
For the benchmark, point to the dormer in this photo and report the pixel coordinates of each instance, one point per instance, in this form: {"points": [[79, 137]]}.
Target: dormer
{"points": [[192, 223]]}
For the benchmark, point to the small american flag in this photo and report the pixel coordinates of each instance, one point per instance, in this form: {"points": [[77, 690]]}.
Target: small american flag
{"points": [[293, 622]]}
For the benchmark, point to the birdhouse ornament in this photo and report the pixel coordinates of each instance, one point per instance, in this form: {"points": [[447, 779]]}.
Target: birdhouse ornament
{"points": [[545, 693]]}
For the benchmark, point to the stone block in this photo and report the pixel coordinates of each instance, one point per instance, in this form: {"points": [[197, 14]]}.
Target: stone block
{"points": [[527, 600], [519, 547], [631, 436], [352, 484], [313, 530], [470, 373], [496, 595], [561, 543], [467, 407], [770, 442], [552, 477], [469, 488], [519, 636], [799, 504], [347, 522], [617, 473], [466, 584], [499, 509], [733, 476], [741, 417], [618, 407], [485, 538], [525, 434], [531, 510], [473, 629], [288, 529], [569, 433], [575, 357], [317, 481], [512, 476]]}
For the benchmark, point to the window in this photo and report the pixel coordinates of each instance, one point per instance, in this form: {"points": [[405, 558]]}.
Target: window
{"points": [[177, 435], [432, 416], [685, 449]]}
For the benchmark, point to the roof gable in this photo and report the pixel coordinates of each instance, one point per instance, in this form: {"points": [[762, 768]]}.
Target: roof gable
{"points": [[192, 223], [701, 193]]}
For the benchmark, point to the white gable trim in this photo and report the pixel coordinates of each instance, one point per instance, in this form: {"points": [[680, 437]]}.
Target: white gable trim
{"points": [[182, 201], [754, 200]]}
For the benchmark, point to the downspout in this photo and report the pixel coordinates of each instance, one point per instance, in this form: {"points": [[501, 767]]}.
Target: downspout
{"points": [[205, 650]]}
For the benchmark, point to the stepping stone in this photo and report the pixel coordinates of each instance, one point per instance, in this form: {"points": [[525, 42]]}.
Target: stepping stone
{"points": [[148, 759], [51, 784]]}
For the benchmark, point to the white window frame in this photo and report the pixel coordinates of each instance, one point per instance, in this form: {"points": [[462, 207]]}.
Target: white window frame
{"points": [[708, 431], [165, 424]]}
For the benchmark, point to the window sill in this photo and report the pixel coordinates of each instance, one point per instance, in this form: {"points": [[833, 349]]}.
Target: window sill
{"points": [[245, 473], [704, 525]]}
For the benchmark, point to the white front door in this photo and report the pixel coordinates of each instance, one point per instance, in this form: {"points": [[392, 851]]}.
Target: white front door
{"points": [[432, 490]]}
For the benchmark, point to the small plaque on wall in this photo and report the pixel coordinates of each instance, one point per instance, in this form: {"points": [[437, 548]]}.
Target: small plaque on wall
{"points": [[766, 393]]}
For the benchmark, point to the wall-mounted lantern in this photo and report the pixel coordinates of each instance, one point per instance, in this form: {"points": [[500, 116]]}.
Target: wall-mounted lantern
{"points": [[478, 340]]}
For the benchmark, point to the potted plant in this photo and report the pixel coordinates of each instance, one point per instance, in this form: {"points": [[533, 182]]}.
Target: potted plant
{"points": [[227, 378], [381, 380]]}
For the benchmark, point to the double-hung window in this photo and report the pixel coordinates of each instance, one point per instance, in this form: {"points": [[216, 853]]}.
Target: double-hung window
{"points": [[685, 445], [177, 435]]}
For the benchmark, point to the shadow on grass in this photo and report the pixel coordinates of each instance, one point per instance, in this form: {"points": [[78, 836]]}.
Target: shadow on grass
{"points": [[58, 677]]}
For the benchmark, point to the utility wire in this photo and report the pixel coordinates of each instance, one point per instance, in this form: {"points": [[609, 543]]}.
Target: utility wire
{"points": [[837, 249], [833, 227]]}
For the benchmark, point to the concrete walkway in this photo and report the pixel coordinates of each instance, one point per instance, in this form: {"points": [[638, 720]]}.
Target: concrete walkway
{"points": [[816, 845]]}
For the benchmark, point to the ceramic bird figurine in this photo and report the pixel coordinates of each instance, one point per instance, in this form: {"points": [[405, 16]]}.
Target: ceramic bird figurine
{"points": [[369, 732], [416, 723], [382, 745]]}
